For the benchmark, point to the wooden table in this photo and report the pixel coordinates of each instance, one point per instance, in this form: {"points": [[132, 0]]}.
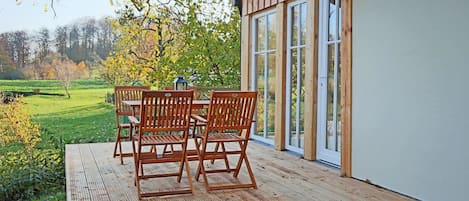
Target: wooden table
{"points": [[196, 104]]}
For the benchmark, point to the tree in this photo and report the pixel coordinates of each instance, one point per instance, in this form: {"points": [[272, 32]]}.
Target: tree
{"points": [[19, 46], [159, 40], [74, 52], [43, 42], [105, 38], [7, 68], [66, 71], [61, 37]]}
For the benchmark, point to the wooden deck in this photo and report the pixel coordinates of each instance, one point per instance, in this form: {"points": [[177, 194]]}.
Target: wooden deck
{"points": [[93, 174]]}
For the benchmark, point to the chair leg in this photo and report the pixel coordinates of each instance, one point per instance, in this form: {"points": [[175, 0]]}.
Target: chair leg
{"points": [[188, 172], [183, 160], [227, 164], [242, 146], [251, 174], [216, 150], [197, 148], [134, 153], [118, 134], [120, 145]]}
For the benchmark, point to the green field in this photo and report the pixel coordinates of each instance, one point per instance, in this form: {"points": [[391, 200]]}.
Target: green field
{"points": [[83, 118]]}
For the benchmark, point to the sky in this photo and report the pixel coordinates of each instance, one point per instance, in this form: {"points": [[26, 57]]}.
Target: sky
{"points": [[30, 14]]}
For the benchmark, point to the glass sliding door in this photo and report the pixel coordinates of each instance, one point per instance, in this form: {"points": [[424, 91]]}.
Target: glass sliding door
{"points": [[263, 74], [329, 119], [295, 74]]}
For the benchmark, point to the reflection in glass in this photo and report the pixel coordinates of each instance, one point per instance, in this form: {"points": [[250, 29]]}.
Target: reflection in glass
{"points": [[339, 111], [330, 130], [340, 19], [293, 96], [260, 27], [271, 97], [332, 20], [294, 25], [271, 31], [302, 96], [303, 24], [260, 63]]}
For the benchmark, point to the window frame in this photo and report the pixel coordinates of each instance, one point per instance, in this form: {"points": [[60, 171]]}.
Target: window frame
{"points": [[289, 49], [253, 71]]}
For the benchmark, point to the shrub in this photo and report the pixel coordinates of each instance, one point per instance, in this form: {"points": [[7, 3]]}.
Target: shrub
{"points": [[16, 126], [26, 170], [24, 176], [109, 98]]}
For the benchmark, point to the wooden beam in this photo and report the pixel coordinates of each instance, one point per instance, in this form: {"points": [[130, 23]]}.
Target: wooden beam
{"points": [[261, 4], [274, 2], [245, 50], [267, 3], [245, 7], [280, 77], [311, 79], [346, 89], [249, 6], [255, 5]]}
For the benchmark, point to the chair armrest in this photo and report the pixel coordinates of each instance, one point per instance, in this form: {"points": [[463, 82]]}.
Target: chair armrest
{"points": [[134, 120], [198, 118]]}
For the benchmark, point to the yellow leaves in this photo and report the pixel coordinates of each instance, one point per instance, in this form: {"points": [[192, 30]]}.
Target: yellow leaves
{"points": [[16, 125]]}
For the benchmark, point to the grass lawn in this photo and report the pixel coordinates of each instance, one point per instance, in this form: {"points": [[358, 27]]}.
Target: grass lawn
{"points": [[83, 118]]}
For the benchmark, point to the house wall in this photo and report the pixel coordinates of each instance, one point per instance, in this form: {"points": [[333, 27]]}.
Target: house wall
{"points": [[410, 123]]}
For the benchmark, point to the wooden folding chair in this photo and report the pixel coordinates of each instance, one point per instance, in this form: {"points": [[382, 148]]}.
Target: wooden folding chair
{"points": [[229, 119], [164, 120], [123, 93]]}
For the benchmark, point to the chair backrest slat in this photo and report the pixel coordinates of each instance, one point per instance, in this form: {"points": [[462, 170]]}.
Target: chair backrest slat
{"points": [[124, 93], [231, 110], [165, 110]]}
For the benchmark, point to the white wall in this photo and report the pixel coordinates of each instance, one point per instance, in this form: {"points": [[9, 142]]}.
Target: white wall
{"points": [[411, 96]]}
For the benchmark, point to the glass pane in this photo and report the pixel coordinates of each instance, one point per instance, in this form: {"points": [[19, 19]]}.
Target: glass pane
{"points": [[302, 96], [294, 97], [339, 108], [332, 21], [294, 25], [303, 24], [260, 27], [271, 26], [330, 130], [260, 66], [271, 96], [340, 20]]}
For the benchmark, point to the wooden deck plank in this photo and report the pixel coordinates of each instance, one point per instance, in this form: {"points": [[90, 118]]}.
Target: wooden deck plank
{"points": [[93, 176], [279, 175], [75, 175], [119, 186]]}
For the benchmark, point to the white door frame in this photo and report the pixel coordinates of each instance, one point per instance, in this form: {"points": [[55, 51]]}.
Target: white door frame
{"points": [[323, 153], [288, 84]]}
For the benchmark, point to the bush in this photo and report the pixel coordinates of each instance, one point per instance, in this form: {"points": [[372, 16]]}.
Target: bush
{"points": [[27, 171], [24, 176], [109, 98]]}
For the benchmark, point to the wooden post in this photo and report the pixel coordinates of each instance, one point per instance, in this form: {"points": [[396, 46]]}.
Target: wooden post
{"points": [[245, 50], [280, 78], [311, 79], [346, 90]]}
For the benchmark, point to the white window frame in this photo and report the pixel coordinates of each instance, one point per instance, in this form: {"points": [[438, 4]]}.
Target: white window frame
{"points": [[266, 73], [288, 75]]}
